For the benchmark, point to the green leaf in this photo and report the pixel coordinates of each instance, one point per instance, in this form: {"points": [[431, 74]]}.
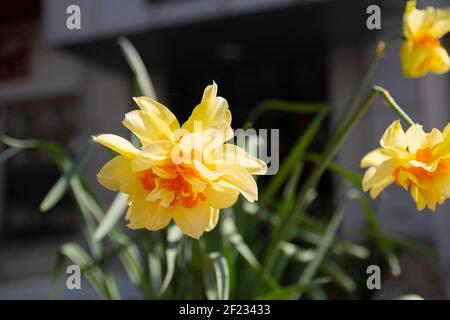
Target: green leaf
{"points": [[8, 153], [347, 174], [20, 143], [231, 234], [57, 275], [329, 267], [341, 246], [88, 219], [287, 204], [87, 199], [338, 275], [222, 275], [174, 237], [376, 230], [60, 187], [235, 238], [111, 287], [408, 244], [296, 252], [284, 230], [155, 272], [317, 293], [129, 254], [138, 67], [293, 157], [65, 165], [325, 243], [287, 292], [113, 214], [94, 275], [290, 190]]}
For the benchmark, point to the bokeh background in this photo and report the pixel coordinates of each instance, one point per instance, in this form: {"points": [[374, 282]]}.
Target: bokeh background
{"points": [[66, 85]]}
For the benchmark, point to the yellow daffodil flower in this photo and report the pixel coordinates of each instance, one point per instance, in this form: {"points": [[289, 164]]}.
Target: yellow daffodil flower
{"points": [[416, 160], [422, 52], [185, 173]]}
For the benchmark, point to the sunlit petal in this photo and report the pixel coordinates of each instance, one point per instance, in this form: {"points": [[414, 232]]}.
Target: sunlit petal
{"points": [[192, 221], [117, 144]]}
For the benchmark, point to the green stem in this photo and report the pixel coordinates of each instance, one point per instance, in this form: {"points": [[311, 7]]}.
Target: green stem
{"points": [[391, 102], [293, 218], [367, 76], [347, 121]]}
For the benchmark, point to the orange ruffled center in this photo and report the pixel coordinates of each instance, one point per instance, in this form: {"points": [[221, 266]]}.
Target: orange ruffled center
{"points": [[184, 194], [425, 156], [427, 40]]}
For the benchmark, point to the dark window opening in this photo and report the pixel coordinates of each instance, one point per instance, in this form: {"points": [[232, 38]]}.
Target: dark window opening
{"points": [[30, 174]]}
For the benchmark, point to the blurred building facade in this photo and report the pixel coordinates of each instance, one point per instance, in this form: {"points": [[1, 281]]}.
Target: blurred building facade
{"points": [[68, 84]]}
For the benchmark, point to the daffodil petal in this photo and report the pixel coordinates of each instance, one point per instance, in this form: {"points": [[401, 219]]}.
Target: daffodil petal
{"points": [[442, 184], [107, 174], [238, 178], [443, 149], [192, 221], [164, 196], [416, 138], [430, 167], [221, 197], [374, 158], [412, 19], [153, 154], [165, 173], [213, 220], [412, 60], [434, 21], [148, 215], [405, 178], [205, 172], [117, 144], [147, 127], [379, 187], [212, 112], [394, 136], [440, 61], [158, 110], [376, 175], [234, 155]]}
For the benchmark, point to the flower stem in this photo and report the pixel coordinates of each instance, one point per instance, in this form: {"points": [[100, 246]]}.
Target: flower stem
{"points": [[292, 219], [391, 102], [349, 118], [381, 49]]}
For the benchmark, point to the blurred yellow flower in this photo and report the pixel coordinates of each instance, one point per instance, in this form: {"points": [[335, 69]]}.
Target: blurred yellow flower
{"points": [[422, 52], [182, 173], [416, 160]]}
